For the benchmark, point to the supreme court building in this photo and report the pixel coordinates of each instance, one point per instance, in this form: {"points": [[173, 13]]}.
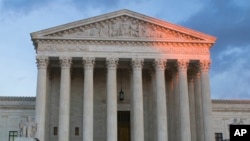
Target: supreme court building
{"points": [[123, 76]]}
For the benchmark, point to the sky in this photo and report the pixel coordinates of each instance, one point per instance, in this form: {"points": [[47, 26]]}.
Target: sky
{"points": [[228, 20]]}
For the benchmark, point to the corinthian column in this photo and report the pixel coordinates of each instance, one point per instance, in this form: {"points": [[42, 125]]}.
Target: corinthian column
{"points": [[171, 117], [185, 133], [88, 99], [176, 105], [137, 100], [64, 108], [206, 99], [198, 106], [161, 111], [111, 99], [192, 103], [42, 63]]}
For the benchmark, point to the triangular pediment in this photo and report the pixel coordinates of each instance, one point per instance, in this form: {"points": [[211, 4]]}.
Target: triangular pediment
{"points": [[123, 25]]}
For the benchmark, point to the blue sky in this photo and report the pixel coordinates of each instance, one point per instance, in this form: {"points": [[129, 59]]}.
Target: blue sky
{"points": [[228, 20]]}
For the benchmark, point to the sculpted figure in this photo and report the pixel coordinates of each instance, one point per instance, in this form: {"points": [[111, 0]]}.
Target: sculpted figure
{"points": [[23, 129], [27, 128], [31, 128], [134, 30]]}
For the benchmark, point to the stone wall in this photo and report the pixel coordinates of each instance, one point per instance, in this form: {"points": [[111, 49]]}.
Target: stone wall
{"points": [[12, 111], [226, 112]]}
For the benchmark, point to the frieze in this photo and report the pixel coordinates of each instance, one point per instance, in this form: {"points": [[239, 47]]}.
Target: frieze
{"points": [[187, 50], [61, 47]]}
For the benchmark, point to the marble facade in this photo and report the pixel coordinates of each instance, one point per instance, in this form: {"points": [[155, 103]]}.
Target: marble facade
{"points": [[165, 67]]}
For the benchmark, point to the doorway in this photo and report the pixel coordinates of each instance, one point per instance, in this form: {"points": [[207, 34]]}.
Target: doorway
{"points": [[123, 125]]}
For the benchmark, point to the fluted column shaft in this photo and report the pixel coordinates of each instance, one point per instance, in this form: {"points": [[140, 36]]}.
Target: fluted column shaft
{"points": [[161, 111], [171, 109], [88, 99], [192, 105], [198, 107], [185, 133], [42, 63], [177, 105], [137, 100], [111, 99], [64, 108], [131, 105], [206, 100]]}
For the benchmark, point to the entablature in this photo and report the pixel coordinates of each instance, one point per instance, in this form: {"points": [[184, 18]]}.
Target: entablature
{"points": [[123, 27]]}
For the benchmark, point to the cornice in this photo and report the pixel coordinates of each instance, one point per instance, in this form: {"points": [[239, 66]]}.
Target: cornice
{"points": [[230, 101], [18, 107], [141, 42], [17, 98], [16, 103], [105, 39]]}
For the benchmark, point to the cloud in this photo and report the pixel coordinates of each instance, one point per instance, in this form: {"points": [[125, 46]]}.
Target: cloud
{"points": [[100, 4], [233, 81], [171, 11], [22, 6], [17, 57], [229, 21]]}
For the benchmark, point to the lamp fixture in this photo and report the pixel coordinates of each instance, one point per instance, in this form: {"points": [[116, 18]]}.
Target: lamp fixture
{"points": [[121, 93]]}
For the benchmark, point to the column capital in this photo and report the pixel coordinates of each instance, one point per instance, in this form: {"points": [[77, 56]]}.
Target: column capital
{"points": [[160, 64], [182, 64], [89, 62], [42, 62], [172, 69], [205, 65], [65, 62], [137, 63], [193, 69], [112, 63]]}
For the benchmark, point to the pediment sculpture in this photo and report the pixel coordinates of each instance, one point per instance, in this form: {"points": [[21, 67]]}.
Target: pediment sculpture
{"points": [[123, 27]]}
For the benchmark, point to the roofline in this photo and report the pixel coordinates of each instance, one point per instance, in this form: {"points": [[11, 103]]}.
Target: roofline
{"points": [[231, 101], [17, 98]]}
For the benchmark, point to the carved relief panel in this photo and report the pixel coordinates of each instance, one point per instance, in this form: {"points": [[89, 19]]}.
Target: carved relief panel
{"points": [[124, 27]]}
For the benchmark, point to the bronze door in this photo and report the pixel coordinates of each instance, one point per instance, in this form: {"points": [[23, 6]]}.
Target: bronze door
{"points": [[123, 125]]}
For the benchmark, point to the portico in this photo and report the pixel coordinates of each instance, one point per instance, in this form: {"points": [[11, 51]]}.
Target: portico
{"points": [[79, 70]]}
